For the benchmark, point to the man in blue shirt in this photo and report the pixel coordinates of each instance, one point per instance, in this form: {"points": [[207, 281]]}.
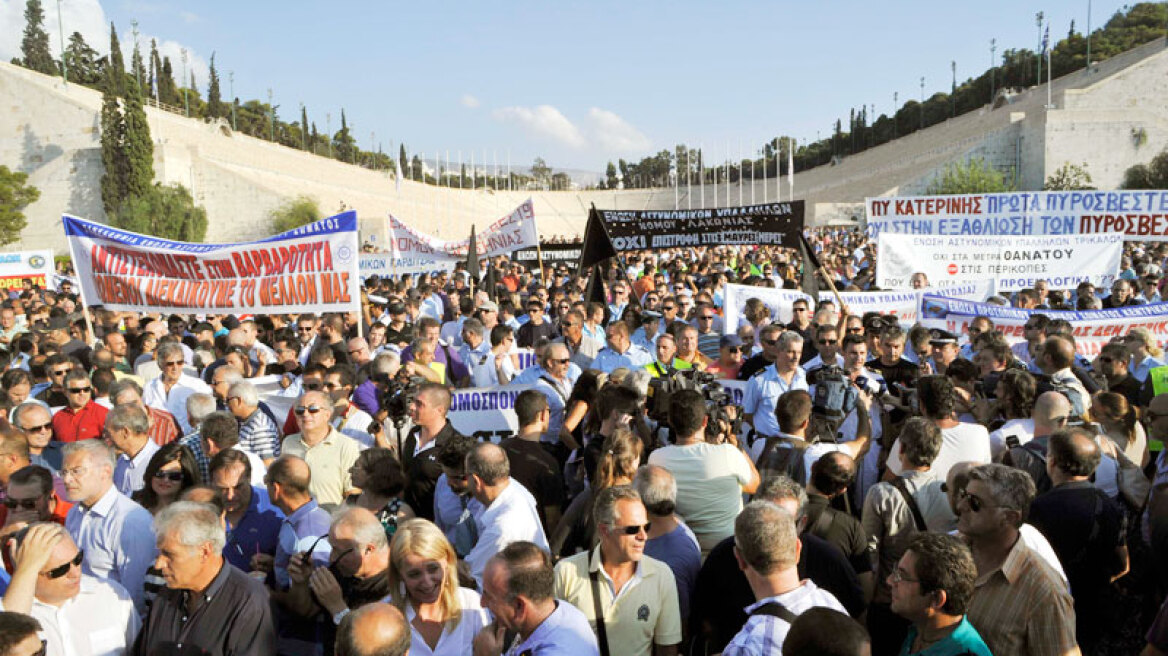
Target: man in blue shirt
{"points": [[931, 587], [251, 528]]}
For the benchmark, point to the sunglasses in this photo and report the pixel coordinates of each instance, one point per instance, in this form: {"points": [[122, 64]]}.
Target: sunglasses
{"points": [[174, 363], [669, 308], [632, 530], [172, 476], [827, 342], [305, 329], [23, 504], [37, 429], [62, 372], [311, 409], [559, 360], [80, 390], [710, 318], [311, 386], [62, 570], [975, 503], [770, 342], [733, 349]]}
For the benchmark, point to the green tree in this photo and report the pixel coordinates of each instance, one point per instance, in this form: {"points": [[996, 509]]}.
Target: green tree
{"points": [[1153, 175], [167, 211], [294, 213], [136, 144], [541, 171], [155, 70], [973, 177], [214, 98], [35, 44], [113, 128], [138, 72], [82, 61], [1069, 177], [610, 176], [304, 125], [15, 195], [401, 158], [117, 64], [344, 145]]}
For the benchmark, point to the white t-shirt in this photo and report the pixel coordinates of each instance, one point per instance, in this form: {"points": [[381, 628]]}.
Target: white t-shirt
{"points": [[709, 486], [1023, 429], [961, 443], [459, 640]]}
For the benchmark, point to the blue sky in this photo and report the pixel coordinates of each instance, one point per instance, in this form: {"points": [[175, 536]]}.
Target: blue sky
{"points": [[576, 83]]}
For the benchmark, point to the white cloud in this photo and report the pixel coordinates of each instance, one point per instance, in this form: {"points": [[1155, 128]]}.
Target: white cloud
{"points": [[614, 134], [469, 101], [89, 18], [544, 120], [190, 17]]}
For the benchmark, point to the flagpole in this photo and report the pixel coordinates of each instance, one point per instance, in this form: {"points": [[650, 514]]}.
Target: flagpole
{"points": [[702, 173], [752, 178], [778, 170], [688, 179], [676, 181], [740, 178], [764, 176], [727, 173], [791, 171]]}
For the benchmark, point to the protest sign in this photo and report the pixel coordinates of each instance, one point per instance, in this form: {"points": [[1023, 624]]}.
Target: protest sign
{"points": [[37, 266], [312, 268], [386, 264], [485, 413], [1139, 215], [901, 304], [512, 232], [1092, 328], [554, 255], [615, 231], [1013, 262]]}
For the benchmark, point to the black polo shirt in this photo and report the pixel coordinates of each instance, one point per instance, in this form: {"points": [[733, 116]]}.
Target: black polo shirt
{"points": [[231, 617], [422, 470], [843, 531]]}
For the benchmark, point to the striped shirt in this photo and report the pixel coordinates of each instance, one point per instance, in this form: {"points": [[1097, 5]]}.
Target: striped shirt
{"points": [[258, 434], [764, 634], [1023, 607]]}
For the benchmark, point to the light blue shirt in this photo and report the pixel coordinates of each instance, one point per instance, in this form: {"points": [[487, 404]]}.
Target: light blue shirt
{"points": [[130, 472], [1140, 371], [480, 363], [117, 536], [557, 393], [432, 307], [762, 394], [530, 375], [565, 632], [596, 333], [634, 358]]}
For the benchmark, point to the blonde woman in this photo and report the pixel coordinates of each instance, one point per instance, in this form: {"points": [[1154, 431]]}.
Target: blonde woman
{"points": [[1146, 353], [423, 583]]}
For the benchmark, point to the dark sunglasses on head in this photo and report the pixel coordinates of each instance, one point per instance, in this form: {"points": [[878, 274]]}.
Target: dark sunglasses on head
{"points": [[311, 409], [63, 569], [632, 530], [173, 476], [23, 504]]}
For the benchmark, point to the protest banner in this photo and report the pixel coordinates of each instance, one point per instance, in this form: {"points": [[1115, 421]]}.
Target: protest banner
{"points": [[485, 413], [610, 232], [387, 264], [512, 232], [312, 268], [1092, 328], [1138, 214], [555, 255], [37, 266], [901, 304], [1013, 262]]}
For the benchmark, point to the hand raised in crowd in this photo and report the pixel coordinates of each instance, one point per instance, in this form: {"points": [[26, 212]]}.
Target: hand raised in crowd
{"points": [[328, 592], [37, 546], [300, 568]]}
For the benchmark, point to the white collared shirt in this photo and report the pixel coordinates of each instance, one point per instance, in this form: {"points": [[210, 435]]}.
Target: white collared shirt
{"points": [[175, 401], [99, 621], [511, 517], [457, 640]]}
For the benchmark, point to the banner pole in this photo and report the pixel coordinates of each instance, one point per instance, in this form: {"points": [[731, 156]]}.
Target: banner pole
{"points": [[539, 257]]}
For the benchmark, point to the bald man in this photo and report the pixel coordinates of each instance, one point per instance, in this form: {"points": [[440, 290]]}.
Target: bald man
{"points": [[373, 630], [1051, 412], [509, 511]]}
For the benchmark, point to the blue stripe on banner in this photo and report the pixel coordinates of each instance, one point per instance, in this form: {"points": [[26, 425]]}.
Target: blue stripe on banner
{"points": [[75, 227], [936, 306]]}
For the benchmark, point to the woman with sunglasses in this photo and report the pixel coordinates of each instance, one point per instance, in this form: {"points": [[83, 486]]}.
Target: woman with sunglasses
{"points": [[169, 473], [423, 584], [379, 475]]}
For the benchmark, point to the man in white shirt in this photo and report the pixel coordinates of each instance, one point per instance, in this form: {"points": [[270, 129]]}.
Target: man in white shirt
{"points": [[127, 428], [170, 390], [960, 442], [509, 513], [81, 615]]}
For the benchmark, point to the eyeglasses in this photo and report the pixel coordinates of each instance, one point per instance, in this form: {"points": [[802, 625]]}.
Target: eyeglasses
{"points": [[76, 472], [172, 476], [305, 329], [80, 390], [898, 576], [975, 503], [23, 504], [559, 360], [770, 342], [733, 349], [311, 386], [63, 569], [311, 409], [173, 363], [37, 429], [826, 342], [632, 530], [61, 372], [709, 318], [669, 308]]}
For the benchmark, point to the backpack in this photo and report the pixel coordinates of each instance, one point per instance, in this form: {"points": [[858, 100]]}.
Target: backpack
{"points": [[786, 460]]}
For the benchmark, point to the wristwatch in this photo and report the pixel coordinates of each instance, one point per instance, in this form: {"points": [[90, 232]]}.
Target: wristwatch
{"points": [[340, 615]]}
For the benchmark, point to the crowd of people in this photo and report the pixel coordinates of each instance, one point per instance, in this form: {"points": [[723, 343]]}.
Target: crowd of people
{"points": [[261, 484]]}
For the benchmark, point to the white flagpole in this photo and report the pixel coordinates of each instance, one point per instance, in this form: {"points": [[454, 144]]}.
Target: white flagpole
{"points": [[508, 169], [778, 171], [495, 158], [676, 181], [727, 174], [702, 173], [764, 177], [791, 171], [741, 179], [714, 179], [688, 179]]}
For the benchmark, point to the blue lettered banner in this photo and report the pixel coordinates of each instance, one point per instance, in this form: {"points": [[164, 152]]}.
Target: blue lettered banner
{"points": [[1092, 328], [1012, 262], [312, 268], [1139, 215], [486, 413]]}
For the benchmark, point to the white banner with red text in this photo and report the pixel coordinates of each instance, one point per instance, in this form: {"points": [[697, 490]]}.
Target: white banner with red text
{"points": [[1092, 328], [312, 268], [512, 232], [1012, 262], [1141, 215], [902, 304]]}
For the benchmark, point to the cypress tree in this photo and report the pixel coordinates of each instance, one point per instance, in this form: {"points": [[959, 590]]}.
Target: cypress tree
{"points": [[214, 99], [166, 85], [304, 125], [138, 68], [113, 185], [136, 143], [82, 61], [155, 87], [401, 158], [117, 65], [35, 45]]}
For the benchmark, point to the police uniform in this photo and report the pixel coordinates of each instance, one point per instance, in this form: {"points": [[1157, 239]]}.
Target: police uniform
{"points": [[608, 359], [762, 394]]}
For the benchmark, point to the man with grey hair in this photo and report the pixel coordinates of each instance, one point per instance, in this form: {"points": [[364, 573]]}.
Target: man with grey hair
{"points": [[170, 390], [221, 382], [199, 407], [258, 432], [164, 428], [631, 598], [766, 547], [357, 573], [670, 540], [207, 606], [509, 512], [1020, 605], [765, 387], [475, 352], [722, 590], [114, 532], [33, 419], [127, 431]]}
